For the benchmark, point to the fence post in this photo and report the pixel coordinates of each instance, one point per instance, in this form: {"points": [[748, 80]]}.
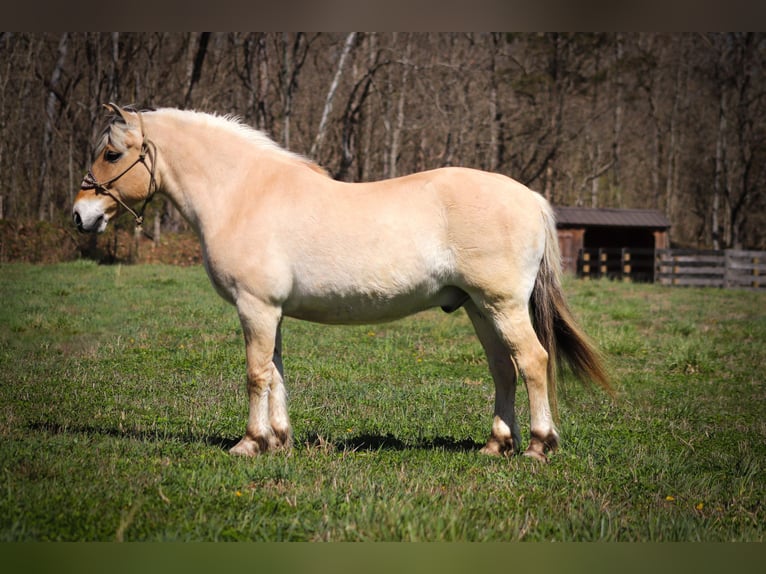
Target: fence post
{"points": [[728, 273], [585, 263], [626, 268], [657, 265]]}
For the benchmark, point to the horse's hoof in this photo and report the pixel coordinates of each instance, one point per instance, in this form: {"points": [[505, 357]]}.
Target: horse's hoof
{"points": [[539, 446], [248, 447], [495, 447]]}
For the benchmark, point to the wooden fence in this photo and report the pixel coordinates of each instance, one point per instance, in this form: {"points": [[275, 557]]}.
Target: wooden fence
{"points": [[729, 268], [690, 267], [616, 263]]}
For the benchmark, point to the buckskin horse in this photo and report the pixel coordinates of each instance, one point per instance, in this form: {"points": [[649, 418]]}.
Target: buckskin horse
{"points": [[280, 238]]}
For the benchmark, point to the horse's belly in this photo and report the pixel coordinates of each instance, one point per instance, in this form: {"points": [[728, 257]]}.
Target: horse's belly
{"points": [[361, 308], [395, 276]]}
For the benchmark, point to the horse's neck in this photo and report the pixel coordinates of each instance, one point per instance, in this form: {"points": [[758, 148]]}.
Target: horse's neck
{"points": [[196, 167]]}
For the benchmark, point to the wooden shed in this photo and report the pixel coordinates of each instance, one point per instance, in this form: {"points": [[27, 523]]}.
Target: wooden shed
{"points": [[611, 242]]}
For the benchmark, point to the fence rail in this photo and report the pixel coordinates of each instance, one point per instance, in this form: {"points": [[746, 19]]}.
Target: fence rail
{"points": [[729, 268], [689, 267]]}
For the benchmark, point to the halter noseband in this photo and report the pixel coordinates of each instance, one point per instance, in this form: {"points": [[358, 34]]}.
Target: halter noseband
{"points": [[148, 148]]}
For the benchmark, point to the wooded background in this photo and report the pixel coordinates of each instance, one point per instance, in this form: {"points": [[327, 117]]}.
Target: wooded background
{"points": [[675, 122]]}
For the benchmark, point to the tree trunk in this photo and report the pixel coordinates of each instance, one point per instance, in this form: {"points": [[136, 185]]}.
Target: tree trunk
{"points": [[294, 57], [255, 77], [364, 171], [720, 175], [674, 145], [617, 117], [556, 109], [262, 115], [396, 133], [195, 66], [287, 102], [353, 119], [114, 76], [48, 128], [494, 115], [316, 148]]}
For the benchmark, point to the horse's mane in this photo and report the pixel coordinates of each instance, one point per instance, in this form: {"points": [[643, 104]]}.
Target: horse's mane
{"points": [[115, 129]]}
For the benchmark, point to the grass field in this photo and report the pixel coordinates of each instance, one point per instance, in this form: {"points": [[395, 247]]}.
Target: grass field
{"points": [[121, 388]]}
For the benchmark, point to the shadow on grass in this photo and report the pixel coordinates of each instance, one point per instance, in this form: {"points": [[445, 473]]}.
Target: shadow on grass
{"points": [[362, 442], [135, 434], [373, 442]]}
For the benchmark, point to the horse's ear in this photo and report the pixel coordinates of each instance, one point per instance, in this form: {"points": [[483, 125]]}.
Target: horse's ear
{"points": [[112, 107]]}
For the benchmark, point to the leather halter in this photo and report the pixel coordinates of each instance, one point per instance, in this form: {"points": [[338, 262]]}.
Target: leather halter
{"points": [[148, 148]]}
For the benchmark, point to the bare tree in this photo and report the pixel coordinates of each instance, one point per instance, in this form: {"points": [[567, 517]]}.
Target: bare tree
{"points": [[253, 72], [49, 125], [316, 147], [195, 65], [352, 116], [294, 54], [618, 92], [396, 130]]}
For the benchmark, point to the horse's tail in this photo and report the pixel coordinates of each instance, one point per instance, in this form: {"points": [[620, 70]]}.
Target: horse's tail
{"points": [[554, 324]]}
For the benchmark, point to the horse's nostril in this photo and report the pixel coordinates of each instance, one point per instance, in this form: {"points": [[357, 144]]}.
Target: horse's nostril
{"points": [[77, 219]]}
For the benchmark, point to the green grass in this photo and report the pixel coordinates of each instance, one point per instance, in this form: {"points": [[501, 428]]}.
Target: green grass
{"points": [[122, 387]]}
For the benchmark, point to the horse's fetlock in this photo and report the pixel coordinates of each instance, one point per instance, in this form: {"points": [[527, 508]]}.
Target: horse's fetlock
{"points": [[541, 443], [499, 447], [283, 437]]}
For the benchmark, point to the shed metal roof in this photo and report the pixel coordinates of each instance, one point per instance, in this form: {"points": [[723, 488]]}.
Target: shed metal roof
{"points": [[607, 217]]}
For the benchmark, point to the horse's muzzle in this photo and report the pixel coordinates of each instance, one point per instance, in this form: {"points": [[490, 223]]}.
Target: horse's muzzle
{"points": [[89, 220]]}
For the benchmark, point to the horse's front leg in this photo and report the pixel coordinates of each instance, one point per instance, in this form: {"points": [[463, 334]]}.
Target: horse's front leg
{"points": [[268, 425], [278, 416]]}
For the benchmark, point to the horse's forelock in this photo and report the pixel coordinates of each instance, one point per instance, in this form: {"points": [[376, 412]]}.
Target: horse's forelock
{"points": [[115, 129], [112, 134]]}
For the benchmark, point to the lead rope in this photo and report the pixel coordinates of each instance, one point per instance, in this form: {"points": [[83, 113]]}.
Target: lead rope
{"points": [[139, 217]]}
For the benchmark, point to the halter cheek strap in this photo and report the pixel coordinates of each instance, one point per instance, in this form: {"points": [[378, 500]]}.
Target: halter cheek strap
{"points": [[103, 188]]}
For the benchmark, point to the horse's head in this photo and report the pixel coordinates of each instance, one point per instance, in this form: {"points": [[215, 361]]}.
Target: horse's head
{"points": [[115, 179]]}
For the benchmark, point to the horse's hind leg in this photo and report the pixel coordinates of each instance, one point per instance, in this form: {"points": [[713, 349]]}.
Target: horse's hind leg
{"points": [[268, 426], [514, 326], [505, 437]]}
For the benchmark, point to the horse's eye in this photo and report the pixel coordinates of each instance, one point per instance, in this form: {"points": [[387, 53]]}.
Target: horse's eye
{"points": [[112, 156]]}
